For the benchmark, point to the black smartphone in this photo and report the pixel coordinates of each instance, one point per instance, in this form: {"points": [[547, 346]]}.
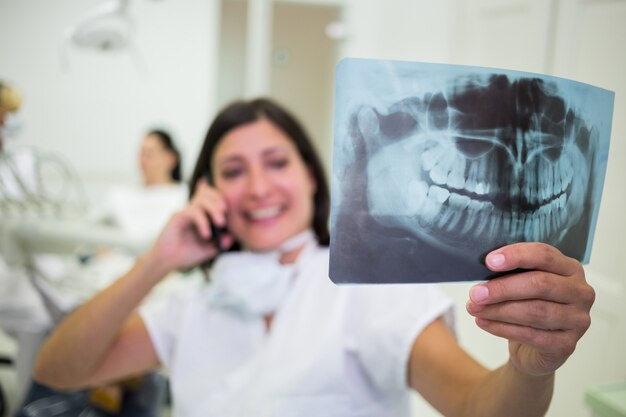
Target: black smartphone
{"points": [[216, 232]]}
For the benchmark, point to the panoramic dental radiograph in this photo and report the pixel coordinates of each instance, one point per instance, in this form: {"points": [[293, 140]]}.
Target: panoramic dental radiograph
{"points": [[430, 179]]}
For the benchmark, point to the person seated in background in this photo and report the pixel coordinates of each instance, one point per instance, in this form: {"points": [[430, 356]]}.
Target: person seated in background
{"points": [[142, 210], [271, 335], [159, 159]]}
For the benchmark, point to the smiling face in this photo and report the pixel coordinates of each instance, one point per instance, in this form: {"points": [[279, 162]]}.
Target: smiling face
{"points": [[267, 186]]}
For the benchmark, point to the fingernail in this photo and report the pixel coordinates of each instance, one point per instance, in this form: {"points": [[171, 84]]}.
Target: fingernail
{"points": [[479, 293], [495, 259]]}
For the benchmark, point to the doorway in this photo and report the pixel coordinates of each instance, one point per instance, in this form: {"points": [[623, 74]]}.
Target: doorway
{"points": [[302, 62]]}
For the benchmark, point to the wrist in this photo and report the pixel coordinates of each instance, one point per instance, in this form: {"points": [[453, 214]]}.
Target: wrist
{"points": [[154, 265], [547, 376]]}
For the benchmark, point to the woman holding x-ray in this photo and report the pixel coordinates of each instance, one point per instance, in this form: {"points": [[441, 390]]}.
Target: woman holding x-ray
{"points": [[271, 335]]}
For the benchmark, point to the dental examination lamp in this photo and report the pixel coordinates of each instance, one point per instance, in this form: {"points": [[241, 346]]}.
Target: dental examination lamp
{"points": [[107, 28]]}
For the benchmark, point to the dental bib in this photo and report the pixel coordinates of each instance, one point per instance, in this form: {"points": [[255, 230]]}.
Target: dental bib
{"points": [[254, 284]]}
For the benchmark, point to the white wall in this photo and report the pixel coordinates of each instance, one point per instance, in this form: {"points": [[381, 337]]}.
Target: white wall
{"points": [[94, 112], [400, 29]]}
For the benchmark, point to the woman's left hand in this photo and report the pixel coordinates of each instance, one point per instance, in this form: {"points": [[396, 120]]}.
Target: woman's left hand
{"points": [[542, 309]]}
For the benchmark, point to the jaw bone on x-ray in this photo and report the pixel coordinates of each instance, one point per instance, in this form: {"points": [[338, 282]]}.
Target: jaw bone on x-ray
{"points": [[435, 165]]}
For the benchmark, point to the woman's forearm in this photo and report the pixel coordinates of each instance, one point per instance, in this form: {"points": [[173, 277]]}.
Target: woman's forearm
{"points": [[458, 386], [78, 345]]}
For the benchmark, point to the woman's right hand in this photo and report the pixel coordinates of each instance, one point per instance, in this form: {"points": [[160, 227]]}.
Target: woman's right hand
{"points": [[186, 240]]}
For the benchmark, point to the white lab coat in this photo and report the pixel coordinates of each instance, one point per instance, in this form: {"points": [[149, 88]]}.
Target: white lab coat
{"points": [[332, 350]]}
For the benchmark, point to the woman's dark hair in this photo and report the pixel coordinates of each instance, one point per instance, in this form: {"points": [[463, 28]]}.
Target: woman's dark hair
{"points": [[168, 143], [243, 112]]}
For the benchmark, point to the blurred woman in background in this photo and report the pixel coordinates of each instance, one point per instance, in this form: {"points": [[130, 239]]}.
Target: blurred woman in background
{"points": [[159, 159], [141, 210]]}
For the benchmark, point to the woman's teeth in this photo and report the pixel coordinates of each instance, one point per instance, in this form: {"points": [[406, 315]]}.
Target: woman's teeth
{"points": [[265, 213]]}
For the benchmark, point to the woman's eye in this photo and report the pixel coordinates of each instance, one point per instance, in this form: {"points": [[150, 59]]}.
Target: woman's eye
{"points": [[231, 173], [278, 163]]}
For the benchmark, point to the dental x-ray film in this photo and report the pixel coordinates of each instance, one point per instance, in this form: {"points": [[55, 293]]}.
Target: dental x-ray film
{"points": [[436, 165]]}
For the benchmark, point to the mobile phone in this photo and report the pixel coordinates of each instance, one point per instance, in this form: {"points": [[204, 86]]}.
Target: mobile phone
{"points": [[216, 231]]}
